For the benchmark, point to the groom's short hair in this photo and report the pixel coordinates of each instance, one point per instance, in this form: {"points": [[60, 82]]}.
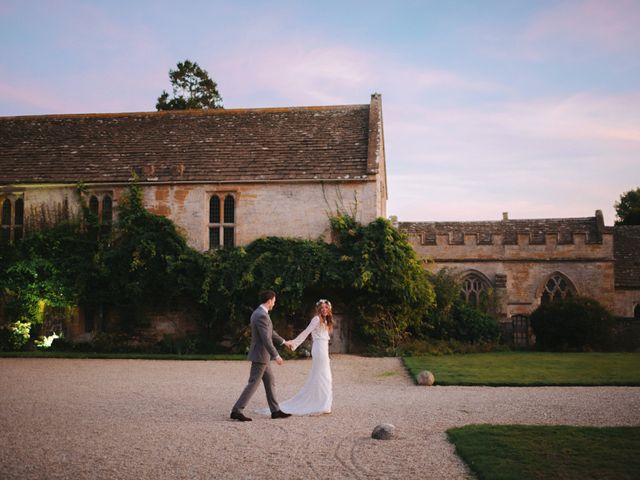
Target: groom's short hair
{"points": [[266, 295]]}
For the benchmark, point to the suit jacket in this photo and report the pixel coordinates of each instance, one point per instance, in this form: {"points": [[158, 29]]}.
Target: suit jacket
{"points": [[263, 337]]}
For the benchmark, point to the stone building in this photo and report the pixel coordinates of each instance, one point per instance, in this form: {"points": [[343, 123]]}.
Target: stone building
{"points": [[523, 262], [626, 252], [228, 177], [225, 177]]}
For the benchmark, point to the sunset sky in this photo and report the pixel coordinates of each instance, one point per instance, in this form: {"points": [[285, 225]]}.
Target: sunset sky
{"points": [[530, 107]]}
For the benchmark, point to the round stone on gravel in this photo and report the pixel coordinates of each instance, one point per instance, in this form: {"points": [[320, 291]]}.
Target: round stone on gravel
{"points": [[384, 431], [425, 377]]}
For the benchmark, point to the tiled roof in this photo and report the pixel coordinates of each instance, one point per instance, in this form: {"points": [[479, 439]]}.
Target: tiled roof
{"points": [[564, 228], [303, 143], [626, 250]]}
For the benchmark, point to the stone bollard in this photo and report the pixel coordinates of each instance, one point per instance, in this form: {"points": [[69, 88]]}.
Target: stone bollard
{"points": [[384, 431], [425, 377]]}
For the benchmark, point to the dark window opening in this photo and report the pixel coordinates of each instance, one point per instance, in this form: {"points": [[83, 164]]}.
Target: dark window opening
{"points": [[228, 236], [214, 238], [12, 221], [214, 209], [229, 209], [94, 205], [107, 210], [557, 288]]}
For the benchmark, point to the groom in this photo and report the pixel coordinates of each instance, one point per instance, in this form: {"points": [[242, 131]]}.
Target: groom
{"points": [[261, 353]]}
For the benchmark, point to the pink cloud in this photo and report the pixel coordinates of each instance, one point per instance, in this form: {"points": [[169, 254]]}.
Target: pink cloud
{"points": [[554, 157], [610, 25], [34, 96], [327, 74], [320, 72]]}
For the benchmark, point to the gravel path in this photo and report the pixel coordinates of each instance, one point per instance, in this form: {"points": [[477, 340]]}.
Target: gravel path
{"points": [[145, 419]]}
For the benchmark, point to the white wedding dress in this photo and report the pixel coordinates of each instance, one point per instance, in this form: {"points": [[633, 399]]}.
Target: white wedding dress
{"points": [[316, 396]]}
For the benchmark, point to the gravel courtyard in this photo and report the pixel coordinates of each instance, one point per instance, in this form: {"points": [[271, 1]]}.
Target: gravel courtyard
{"points": [[144, 419]]}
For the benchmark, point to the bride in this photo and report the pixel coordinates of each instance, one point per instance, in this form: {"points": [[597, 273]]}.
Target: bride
{"points": [[316, 396]]}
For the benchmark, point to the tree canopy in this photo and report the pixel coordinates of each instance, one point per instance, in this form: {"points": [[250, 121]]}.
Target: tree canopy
{"points": [[628, 208], [192, 88]]}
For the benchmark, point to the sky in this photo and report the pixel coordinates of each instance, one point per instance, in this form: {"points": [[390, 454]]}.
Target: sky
{"points": [[527, 107]]}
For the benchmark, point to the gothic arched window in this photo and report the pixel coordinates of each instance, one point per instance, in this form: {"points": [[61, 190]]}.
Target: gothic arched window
{"points": [[474, 288], [107, 215], [558, 287], [222, 217], [229, 219], [229, 209], [107, 210], [214, 209], [18, 220], [94, 205], [101, 210]]}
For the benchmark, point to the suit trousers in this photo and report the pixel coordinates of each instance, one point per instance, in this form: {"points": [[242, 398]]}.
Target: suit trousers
{"points": [[259, 371]]}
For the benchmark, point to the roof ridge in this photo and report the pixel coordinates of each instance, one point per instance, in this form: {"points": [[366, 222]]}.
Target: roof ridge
{"points": [[209, 111], [564, 219]]}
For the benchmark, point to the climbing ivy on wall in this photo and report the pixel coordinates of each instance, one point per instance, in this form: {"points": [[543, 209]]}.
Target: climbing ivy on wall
{"points": [[371, 272]]}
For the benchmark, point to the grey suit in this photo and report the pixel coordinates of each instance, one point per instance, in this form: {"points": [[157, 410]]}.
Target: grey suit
{"points": [[261, 352]]}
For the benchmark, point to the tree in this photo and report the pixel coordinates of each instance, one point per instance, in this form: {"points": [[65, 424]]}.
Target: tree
{"points": [[628, 208], [192, 88], [389, 288]]}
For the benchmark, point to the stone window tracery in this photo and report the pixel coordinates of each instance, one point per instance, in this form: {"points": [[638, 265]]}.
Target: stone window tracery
{"points": [[222, 216], [558, 287], [474, 288]]}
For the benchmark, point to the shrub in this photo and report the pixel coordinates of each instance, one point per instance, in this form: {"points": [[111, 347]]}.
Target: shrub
{"points": [[439, 320], [472, 325], [371, 273], [452, 319], [576, 323], [390, 292], [61, 344], [19, 334]]}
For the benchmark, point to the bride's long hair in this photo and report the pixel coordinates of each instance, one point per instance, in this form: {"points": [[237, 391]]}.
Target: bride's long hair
{"points": [[327, 320]]}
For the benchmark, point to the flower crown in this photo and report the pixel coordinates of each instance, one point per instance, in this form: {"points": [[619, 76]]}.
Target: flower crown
{"points": [[321, 301]]}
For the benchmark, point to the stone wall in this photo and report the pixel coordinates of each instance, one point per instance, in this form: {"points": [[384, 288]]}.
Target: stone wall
{"points": [[517, 258], [299, 210], [626, 302]]}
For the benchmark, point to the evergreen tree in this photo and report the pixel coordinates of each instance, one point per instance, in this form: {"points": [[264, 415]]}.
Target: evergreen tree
{"points": [[628, 208], [192, 88]]}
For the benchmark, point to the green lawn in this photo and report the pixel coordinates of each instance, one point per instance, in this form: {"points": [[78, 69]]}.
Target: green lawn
{"points": [[136, 356], [530, 368], [526, 452]]}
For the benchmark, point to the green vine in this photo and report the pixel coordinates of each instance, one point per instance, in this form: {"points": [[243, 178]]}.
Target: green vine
{"points": [[370, 272]]}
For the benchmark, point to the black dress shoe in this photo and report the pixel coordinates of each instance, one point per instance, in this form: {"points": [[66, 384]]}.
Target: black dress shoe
{"points": [[239, 416], [280, 414]]}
